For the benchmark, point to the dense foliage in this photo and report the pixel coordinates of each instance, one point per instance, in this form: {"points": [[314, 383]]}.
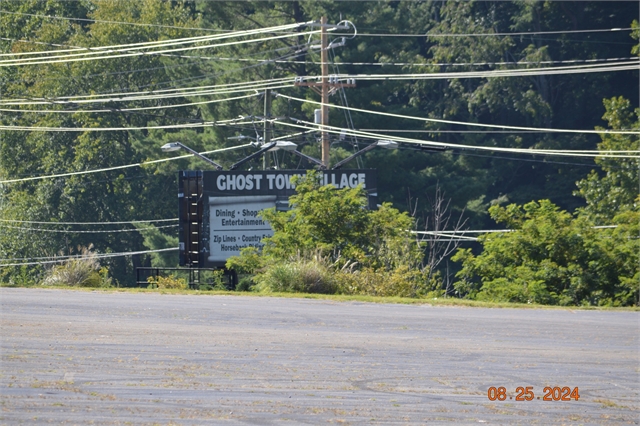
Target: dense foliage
{"points": [[554, 257], [329, 242], [551, 257], [437, 36]]}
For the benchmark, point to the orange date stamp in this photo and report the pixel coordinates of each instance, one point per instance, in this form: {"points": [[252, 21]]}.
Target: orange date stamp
{"points": [[522, 393]]}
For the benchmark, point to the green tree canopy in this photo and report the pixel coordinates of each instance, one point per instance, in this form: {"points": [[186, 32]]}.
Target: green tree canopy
{"points": [[616, 188], [550, 257]]}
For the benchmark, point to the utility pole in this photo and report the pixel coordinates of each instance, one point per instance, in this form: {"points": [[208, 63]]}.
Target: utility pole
{"points": [[325, 87], [266, 138], [324, 116]]}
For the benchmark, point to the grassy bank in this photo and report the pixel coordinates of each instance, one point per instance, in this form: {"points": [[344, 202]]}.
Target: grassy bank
{"points": [[448, 301]]}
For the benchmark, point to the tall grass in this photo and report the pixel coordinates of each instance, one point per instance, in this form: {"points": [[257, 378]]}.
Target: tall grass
{"points": [[84, 271], [297, 275]]}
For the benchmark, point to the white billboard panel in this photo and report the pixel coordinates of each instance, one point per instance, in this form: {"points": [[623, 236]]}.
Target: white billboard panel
{"points": [[235, 224]]}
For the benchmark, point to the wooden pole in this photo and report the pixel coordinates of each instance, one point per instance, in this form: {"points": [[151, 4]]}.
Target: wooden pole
{"points": [[324, 57], [267, 127]]}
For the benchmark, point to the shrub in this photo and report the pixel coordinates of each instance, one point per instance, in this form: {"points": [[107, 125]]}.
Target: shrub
{"points": [[212, 280], [249, 261], [169, 282], [245, 283], [306, 276], [84, 271], [402, 281], [340, 246]]}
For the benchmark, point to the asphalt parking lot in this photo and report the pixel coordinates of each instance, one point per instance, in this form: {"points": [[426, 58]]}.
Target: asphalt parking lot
{"points": [[121, 358]]}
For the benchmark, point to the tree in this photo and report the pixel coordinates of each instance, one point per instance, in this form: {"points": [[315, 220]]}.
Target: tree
{"points": [[550, 257], [337, 223], [114, 196], [331, 230], [616, 188], [473, 180]]}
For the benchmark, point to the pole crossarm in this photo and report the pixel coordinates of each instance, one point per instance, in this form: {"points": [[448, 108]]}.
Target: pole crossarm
{"points": [[317, 86]]}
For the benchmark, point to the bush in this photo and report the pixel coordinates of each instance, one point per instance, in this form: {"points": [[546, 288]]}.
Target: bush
{"points": [[340, 246], [553, 257], [303, 276], [245, 283], [401, 281], [212, 280], [81, 272], [21, 276], [249, 261], [169, 282]]}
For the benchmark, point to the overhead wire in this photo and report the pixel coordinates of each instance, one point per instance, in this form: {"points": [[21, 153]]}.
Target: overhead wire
{"points": [[347, 113], [217, 89], [529, 160], [523, 72], [199, 59], [118, 129], [85, 57], [438, 64], [445, 145], [631, 65], [126, 222], [159, 43], [209, 76], [93, 256], [74, 50], [101, 231], [459, 234], [183, 91], [522, 33], [125, 55], [105, 169], [466, 123], [169, 106]]}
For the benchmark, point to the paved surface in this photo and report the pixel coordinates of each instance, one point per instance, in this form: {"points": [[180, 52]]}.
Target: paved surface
{"points": [[116, 358]]}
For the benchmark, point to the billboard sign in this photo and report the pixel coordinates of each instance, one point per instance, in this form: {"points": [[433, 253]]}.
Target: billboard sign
{"points": [[219, 210]]}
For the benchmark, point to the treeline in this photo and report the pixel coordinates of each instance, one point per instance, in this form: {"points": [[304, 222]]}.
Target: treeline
{"points": [[390, 40]]}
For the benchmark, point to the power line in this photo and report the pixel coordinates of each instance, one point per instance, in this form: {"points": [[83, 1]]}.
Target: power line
{"points": [[522, 72], [527, 72], [127, 52], [94, 256], [49, 111], [218, 74], [523, 33], [118, 129], [449, 131], [566, 153], [465, 123], [103, 231], [528, 160], [240, 87], [336, 34], [456, 235], [150, 44], [199, 60], [438, 64], [60, 175], [127, 222]]}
